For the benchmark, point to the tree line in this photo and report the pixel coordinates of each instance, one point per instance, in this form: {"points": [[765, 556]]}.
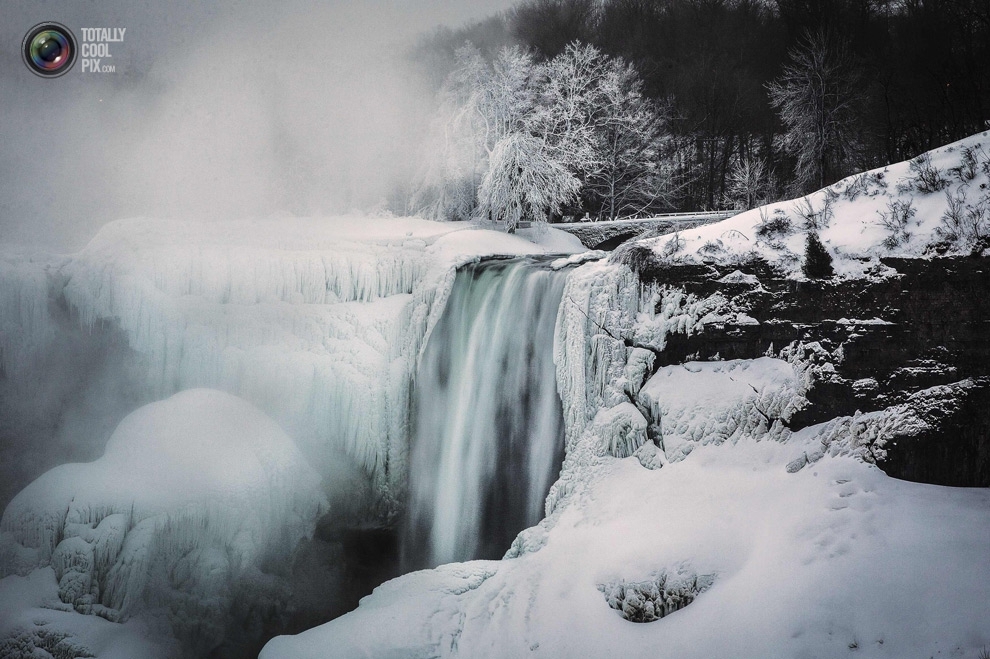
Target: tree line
{"points": [[613, 108]]}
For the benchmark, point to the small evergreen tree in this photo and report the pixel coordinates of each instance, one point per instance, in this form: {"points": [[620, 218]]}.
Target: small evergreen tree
{"points": [[817, 260]]}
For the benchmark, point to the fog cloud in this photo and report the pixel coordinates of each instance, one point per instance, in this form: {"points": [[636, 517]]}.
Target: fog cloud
{"points": [[226, 110]]}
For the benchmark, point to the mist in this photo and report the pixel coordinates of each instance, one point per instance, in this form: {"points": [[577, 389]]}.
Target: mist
{"points": [[213, 111]]}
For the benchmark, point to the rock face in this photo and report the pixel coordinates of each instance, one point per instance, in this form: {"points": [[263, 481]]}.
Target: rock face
{"points": [[895, 338]]}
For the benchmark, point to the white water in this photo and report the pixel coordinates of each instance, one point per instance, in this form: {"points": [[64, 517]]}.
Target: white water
{"points": [[488, 425]]}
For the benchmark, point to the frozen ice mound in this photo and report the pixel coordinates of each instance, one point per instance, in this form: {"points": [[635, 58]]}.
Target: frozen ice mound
{"points": [[195, 503]]}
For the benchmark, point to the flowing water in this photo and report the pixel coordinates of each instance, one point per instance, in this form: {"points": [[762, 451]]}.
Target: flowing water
{"points": [[488, 439]]}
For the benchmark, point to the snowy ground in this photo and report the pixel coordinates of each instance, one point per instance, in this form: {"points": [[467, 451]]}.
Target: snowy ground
{"points": [[832, 562], [850, 216]]}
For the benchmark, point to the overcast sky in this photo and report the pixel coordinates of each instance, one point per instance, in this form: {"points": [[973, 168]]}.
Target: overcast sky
{"points": [[214, 110]]}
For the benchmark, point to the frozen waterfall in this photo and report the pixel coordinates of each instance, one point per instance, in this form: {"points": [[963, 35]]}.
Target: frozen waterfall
{"points": [[488, 436]]}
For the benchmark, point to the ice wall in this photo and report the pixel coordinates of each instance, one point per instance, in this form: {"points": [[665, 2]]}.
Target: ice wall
{"points": [[488, 436]]}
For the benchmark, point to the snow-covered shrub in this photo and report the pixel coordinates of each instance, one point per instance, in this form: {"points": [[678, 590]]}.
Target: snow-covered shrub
{"points": [[712, 247], [927, 177], [816, 218], [817, 260], [963, 222], [775, 227], [968, 167], [895, 219], [657, 597], [41, 643], [672, 246], [636, 256]]}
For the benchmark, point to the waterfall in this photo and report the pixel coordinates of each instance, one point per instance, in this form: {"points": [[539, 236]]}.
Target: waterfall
{"points": [[488, 427]]}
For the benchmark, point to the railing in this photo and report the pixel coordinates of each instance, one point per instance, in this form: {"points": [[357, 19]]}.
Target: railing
{"points": [[665, 217]]}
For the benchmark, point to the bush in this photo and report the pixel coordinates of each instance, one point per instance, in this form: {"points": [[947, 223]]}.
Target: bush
{"points": [[896, 219], [774, 227], [817, 218], [817, 260], [637, 256], [927, 177], [967, 223]]}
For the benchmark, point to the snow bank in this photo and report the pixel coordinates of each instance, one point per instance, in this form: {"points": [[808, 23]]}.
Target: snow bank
{"points": [[835, 561], [896, 210], [35, 623], [193, 495]]}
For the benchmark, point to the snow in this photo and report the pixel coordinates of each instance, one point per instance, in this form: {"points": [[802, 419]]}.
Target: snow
{"points": [[817, 563], [32, 618], [853, 233], [714, 402], [199, 483]]}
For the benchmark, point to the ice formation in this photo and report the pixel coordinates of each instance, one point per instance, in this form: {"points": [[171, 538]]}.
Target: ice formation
{"points": [[194, 499], [318, 322]]}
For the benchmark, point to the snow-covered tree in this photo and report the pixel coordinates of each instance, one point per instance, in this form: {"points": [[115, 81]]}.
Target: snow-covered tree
{"points": [[568, 113], [524, 180], [748, 182], [448, 185], [818, 99], [626, 178], [481, 103]]}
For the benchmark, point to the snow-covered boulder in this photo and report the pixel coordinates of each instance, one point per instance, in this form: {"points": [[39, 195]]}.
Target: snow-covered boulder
{"points": [[713, 402], [194, 500]]}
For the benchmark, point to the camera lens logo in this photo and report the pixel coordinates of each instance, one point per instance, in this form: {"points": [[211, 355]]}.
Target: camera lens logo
{"points": [[49, 50]]}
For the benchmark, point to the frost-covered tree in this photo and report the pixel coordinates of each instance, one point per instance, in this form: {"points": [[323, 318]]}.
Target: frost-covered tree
{"points": [[577, 125], [627, 177], [447, 187], [818, 99], [594, 119], [508, 95], [568, 113], [524, 180], [480, 103], [748, 182]]}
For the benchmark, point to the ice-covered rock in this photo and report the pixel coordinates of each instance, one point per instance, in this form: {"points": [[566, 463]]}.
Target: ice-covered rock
{"points": [[195, 495], [714, 402]]}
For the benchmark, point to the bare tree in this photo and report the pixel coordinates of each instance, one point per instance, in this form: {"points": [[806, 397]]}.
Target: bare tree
{"points": [[627, 178], [818, 99]]}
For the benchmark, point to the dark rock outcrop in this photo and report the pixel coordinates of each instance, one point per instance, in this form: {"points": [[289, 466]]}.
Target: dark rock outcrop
{"points": [[912, 325]]}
